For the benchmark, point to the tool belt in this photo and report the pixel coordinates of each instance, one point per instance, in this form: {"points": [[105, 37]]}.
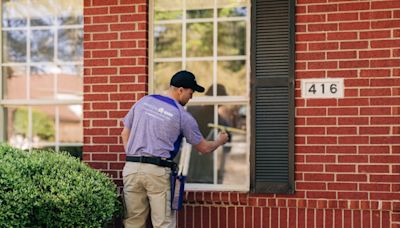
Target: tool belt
{"points": [[153, 160]]}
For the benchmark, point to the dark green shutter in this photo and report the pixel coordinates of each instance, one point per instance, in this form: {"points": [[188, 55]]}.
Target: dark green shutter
{"points": [[272, 102]]}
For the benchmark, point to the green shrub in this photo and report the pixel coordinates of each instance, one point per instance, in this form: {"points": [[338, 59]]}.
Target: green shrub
{"points": [[49, 189]]}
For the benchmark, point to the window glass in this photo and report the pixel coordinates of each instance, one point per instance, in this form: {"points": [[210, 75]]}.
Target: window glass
{"points": [[70, 44], [232, 74], [228, 44], [168, 40], [14, 46], [199, 40], [14, 13], [42, 57], [189, 36], [42, 45], [168, 9], [162, 72], [15, 79]]}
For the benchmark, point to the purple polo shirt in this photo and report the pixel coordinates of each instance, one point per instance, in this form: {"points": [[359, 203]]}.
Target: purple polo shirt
{"points": [[157, 125]]}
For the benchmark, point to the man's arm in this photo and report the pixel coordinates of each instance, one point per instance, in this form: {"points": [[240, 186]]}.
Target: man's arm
{"points": [[209, 146], [125, 136]]}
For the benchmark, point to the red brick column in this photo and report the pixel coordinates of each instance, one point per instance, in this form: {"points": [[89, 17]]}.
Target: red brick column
{"points": [[115, 76]]}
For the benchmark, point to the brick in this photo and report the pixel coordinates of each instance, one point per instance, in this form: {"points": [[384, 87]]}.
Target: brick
{"points": [[321, 194], [310, 56], [354, 6], [375, 92], [385, 44], [355, 64], [310, 18], [342, 74], [104, 19], [373, 15], [342, 111], [310, 130], [354, 102], [95, 11], [323, 103], [311, 37], [374, 54], [385, 24], [323, 65], [342, 16], [342, 36], [354, 45], [354, 26], [351, 177], [323, 46], [375, 73], [322, 27], [375, 111], [341, 149], [374, 130], [338, 186], [385, 63], [375, 34], [342, 55], [320, 159], [385, 120], [352, 158], [318, 177]]}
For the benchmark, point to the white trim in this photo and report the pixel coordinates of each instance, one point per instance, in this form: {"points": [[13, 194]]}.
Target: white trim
{"points": [[27, 102]]}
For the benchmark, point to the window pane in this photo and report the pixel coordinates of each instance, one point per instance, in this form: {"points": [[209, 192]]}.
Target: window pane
{"points": [[162, 75], [42, 46], [14, 13], [168, 9], [201, 166], [200, 13], [39, 133], [168, 40], [232, 38], [70, 44], [42, 12], [199, 41], [17, 127], [232, 12], [70, 124], [15, 80], [232, 74], [69, 82], [203, 70], [232, 158], [42, 82], [43, 126], [14, 46], [69, 12]]}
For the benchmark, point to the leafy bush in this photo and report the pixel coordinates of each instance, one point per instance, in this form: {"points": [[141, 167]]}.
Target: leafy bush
{"points": [[49, 189]]}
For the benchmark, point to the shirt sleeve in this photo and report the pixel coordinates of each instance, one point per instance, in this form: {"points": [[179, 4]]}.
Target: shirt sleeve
{"points": [[190, 129]]}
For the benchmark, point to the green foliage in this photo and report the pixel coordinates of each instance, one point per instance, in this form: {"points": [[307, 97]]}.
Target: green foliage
{"points": [[49, 189], [42, 124]]}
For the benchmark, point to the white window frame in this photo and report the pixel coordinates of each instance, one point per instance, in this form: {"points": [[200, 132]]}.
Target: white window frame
{"points": [[214, 100]]}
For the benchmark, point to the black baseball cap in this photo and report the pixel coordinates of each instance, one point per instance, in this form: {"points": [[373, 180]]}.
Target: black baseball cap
{"points": [[186, 79]]}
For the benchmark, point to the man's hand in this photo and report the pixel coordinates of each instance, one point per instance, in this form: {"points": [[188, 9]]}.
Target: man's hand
{"points": [[223, 137]]}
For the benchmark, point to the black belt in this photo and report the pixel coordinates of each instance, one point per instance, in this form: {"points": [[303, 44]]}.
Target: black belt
{"points": [[153, 160]]}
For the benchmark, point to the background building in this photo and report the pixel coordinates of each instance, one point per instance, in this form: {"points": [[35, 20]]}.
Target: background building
{"points": [[311, 85]]}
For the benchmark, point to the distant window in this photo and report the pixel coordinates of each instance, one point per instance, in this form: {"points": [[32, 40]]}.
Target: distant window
{"points": [[41, 68], [211, 39]]}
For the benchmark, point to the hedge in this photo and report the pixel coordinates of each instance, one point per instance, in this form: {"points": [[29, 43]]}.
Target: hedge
{"points": [[52, 189]]}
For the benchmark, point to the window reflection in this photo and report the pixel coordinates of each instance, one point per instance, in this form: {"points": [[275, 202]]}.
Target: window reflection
{"points": [[203, 71], [228, 42], [232, 74], [14, 13], [70, 123], [42, 45], [168, 40], [14, 46], [162, 75], [70, 46], [199, 40], [15, 80]]}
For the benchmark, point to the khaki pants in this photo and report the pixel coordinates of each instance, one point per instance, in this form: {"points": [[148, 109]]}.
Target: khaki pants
{"points": [[147, 186]]}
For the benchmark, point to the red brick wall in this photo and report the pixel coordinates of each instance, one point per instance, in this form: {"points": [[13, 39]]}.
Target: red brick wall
{"points": [[347, 150]]}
